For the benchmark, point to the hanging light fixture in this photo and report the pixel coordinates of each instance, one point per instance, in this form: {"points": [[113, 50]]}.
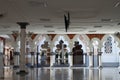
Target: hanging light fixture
{"points": [[67, 21]]}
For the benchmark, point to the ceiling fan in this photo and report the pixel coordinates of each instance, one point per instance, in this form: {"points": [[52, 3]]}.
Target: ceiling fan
{"points": [[67, 21]]}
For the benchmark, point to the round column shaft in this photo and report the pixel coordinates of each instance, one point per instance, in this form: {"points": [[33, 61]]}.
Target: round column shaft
{"points": [[22, 47], [100, 62], [90, 59], [16, 55]]}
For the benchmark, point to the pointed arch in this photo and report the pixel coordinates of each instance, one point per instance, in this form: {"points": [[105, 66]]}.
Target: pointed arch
{"points": [[115, 42], [40, 38], [10, 41], [95, 45], [65, 38], [83, 39], [107, 35]]}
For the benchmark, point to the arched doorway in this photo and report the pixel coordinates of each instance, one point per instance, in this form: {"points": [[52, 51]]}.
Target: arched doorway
{"points": [[42, 41], [81, 59], [61, 48], [95, 48]]}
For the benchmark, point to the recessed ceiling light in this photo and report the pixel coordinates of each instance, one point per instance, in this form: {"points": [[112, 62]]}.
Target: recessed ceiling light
{"points": [[92, 31], [97, 26], [106, 20], [50, 31], [38, 3], [48, 26], [44, 19], [77, 27]]}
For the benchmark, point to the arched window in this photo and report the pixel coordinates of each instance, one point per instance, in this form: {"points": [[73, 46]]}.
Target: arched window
{"points": [[108, 45]]}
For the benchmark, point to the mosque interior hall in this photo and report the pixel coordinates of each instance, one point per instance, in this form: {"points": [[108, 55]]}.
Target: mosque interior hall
{"points": [[59, 40]]}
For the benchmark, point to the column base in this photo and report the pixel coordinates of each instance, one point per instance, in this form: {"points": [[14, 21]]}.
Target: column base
{"points": [[22, 73]]}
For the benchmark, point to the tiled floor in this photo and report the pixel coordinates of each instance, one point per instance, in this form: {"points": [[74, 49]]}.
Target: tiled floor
{"points": [[61, 73]]}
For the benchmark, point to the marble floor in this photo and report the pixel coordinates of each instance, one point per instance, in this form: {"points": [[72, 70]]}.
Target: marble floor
{"points": [[61, 73]]}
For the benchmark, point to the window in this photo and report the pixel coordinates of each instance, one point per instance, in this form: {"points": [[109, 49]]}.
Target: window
{"points": [[108, 45]]}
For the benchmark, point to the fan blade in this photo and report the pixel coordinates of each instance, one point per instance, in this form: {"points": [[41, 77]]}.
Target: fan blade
{"points": [[68, 18], [66, 23]]}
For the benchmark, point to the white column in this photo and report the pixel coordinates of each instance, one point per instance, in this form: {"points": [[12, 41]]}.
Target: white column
{"points": [[100, 61], [52, 59], [32, 52], [84, 58], [22, 47], [90, 59], [16, 60], [70, 59], [16, 46], [16, 55], [32, 59], [62, 53]]}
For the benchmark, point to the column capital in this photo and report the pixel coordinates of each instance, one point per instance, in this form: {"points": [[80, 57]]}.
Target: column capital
{"points": [[23, 24], [90, 53]]}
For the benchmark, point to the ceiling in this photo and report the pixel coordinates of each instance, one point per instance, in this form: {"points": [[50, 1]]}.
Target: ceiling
{"points": [[47, 16]]}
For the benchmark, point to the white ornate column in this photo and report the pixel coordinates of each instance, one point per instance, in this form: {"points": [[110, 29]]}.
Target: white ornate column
{"points": [[100, 60], [35, 51], [62, 53], [52, 59], [90, 59], [85, 59], [70, 59], [22, 48], [37, 56], [32, 54], [31, 49]]}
